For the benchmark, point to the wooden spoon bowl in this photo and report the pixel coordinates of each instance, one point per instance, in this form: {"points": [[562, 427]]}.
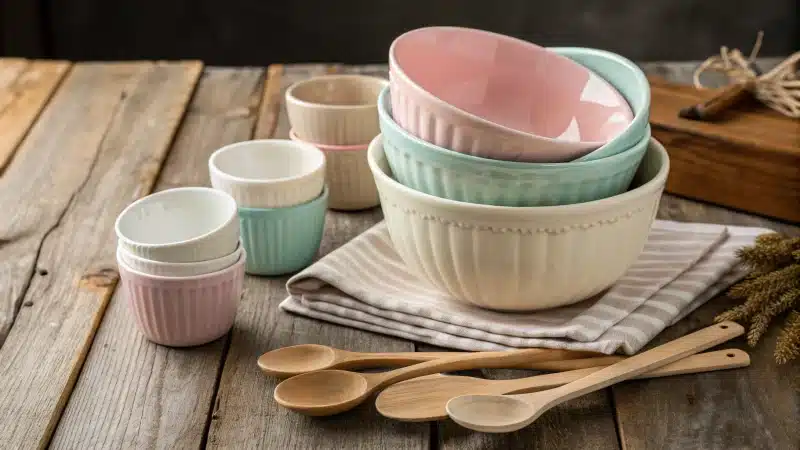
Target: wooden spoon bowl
{"points": [[323, 393], [328, 392], [504, 413], [425, 398]]}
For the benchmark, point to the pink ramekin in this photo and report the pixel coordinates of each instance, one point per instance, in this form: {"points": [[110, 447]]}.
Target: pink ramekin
{"points": [[183, 312]]}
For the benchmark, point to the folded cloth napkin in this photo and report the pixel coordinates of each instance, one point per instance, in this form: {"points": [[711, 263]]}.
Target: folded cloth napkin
{"points": [[365, 284]]}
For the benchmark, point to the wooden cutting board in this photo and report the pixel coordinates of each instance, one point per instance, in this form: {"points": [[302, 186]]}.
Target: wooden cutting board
{"points": [[748, 160]]}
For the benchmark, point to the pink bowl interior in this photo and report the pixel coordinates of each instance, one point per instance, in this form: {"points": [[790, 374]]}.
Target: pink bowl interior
{"points": [[512, 83]]}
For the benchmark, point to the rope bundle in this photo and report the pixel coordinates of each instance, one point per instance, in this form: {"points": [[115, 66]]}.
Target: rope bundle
{"points": [[778, 89]]}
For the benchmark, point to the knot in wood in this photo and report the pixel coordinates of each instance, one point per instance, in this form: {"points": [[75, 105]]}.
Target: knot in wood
{"points": [[100, 279]]}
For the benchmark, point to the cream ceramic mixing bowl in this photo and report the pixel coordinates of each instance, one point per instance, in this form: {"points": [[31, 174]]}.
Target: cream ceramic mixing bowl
{"points": [[520, 258]]}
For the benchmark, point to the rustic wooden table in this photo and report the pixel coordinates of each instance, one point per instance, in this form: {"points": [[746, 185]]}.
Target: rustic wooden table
{"points": [[79, 142]]}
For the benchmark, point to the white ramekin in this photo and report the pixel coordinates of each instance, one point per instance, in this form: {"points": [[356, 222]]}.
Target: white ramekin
{"points": [[165, 269], [335, 109], [268, 173], [180, 225], [520, 258], [348, 177]]}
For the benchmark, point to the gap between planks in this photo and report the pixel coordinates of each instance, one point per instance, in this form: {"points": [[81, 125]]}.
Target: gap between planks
{"points": [[105, 119], [25, 88], [136, 393]]}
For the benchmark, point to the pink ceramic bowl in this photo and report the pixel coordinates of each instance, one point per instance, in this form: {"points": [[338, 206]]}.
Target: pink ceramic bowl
{"points": [[182, 312], [499, 97]]}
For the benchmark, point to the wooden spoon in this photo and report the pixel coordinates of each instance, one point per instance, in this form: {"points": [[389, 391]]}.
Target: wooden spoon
{"points": [[424, 398], [298, 359], [504, 413], [328, 392]]}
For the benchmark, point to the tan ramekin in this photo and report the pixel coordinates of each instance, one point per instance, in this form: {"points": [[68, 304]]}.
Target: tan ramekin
{"points": [[335, 109], [351, 184]]}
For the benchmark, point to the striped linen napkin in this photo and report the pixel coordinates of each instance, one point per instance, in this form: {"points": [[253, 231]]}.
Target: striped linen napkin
{"points": [[365, 284]]}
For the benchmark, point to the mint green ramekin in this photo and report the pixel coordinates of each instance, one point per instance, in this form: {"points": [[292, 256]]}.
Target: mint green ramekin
{"points": [[282, 240]]}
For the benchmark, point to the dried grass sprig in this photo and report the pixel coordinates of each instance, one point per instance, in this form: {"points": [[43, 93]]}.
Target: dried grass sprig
{"points": [[788, 345], [770, 290]]}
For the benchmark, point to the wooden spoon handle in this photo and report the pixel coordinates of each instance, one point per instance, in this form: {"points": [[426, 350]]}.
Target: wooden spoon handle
{"points": [[573, 364], [651, 359], [548, 360], [463, 361], [702, 362]]}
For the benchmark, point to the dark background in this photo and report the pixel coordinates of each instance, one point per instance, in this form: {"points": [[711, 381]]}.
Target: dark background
{"points": [[261, 32]]}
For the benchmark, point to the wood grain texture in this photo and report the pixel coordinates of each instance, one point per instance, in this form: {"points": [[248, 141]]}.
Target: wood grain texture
{"points": [[25, 88], [245, 414], [733, 175], [751, 408], [98, 146], [749, 124], [751, 149], [271, 101], [40, 186], [586, 422], [137, 394]]}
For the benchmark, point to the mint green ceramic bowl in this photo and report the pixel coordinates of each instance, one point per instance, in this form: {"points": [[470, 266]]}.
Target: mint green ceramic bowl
{"points": [[282, 240], [629, 80], [458, 176]]}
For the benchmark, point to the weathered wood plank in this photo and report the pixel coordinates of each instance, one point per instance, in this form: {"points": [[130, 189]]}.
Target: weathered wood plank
{"points": [[752, 408], [245, 415], [98, 146], [40, 186], [25, 88], [270, 107], [138, 394]]}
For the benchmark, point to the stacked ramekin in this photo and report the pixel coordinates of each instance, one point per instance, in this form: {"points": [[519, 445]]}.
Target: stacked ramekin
{"points": [[181, 264], [338, 114], [279, 188]]}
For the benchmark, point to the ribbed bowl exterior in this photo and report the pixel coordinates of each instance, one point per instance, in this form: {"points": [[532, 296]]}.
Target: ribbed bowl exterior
{"points": [[215, 245], [353, 122], [177, 269], [282, 240], [182, 312], [272, 195], [350, 180], [348, 176], [333, 126], [519, 260], [446, 174]]}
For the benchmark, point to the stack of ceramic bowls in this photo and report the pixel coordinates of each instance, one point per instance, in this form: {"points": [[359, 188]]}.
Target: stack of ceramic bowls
{"points": [[279, 188], [512, 176], [338, 114], [181, 264]]}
